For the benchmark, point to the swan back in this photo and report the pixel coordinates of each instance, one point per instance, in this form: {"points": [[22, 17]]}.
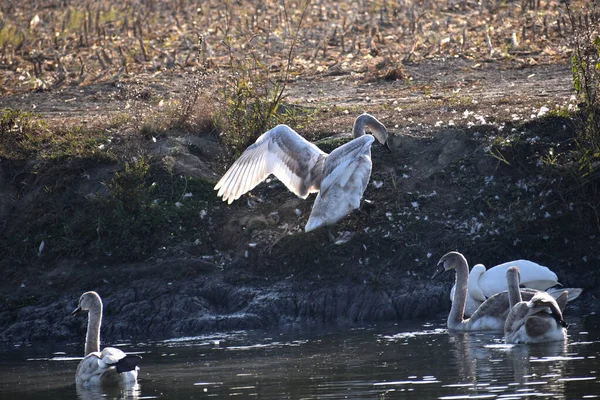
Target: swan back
{"points": [[533, 275], [109, 367], [346, 173]]}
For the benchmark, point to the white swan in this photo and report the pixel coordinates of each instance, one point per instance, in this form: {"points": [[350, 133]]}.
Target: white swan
{"points": [[483, 284], [109, 367], [490, 316], [537, 320], [340, 178], [492, 281]]}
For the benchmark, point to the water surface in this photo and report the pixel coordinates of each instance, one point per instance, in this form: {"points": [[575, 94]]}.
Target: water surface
{"points": [[403, 360]]}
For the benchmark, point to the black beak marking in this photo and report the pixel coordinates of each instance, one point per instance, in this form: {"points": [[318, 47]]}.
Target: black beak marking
{"points": [[439, 270], [76, 311]]}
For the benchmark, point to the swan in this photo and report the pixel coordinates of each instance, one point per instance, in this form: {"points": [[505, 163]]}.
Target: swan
{"points": [[340, 178], [109, 367], [485, 283], [537, 320], [492, 281], [490, 316]]}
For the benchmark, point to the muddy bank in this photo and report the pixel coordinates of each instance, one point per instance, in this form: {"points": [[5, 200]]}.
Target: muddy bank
{"points": [[190, 296], [187, 297], [469, 171]]}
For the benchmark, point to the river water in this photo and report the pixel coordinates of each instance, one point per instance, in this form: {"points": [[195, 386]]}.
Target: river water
{"points": [[417, 359]]}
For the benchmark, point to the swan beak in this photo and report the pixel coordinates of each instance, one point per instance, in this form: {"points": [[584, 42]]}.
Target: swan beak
{"points": [[563, 323], [440, 268], [77, 311]]}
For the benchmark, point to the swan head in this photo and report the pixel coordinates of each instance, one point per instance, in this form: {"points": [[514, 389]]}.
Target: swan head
{"points": [[448, 262], [378, 130], [87, 301], [513, 274]]}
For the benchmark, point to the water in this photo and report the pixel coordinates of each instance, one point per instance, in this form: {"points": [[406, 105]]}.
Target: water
{"points": [[405, 360]]}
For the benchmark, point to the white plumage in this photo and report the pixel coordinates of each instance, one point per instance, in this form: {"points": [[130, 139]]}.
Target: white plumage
{"points": [[340, 177], [533, 275], [100, 368], [109, 367]]}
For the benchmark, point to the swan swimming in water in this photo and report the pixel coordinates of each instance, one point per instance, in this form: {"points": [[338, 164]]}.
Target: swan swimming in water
{"points": [[109, 367], [340, 178], [485, 283], [489, 316], [537, 320]]}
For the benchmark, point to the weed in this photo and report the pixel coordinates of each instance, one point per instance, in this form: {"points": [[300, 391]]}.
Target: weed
{"points": [[251, 94], [128, 186], [585, 68]]}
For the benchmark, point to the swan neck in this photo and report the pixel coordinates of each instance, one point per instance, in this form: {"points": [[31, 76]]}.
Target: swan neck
{"points": [[457, 312], [514, 292], [358, 129], [92, 339]]}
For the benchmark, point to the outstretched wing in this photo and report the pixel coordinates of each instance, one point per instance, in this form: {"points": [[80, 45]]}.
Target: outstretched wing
{"points": [[282, 152]]}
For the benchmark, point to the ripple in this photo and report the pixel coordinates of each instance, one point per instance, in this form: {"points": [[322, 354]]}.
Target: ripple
{"points": [[405, 383], [575, 379], [406, 335], [555, 358], [294, 343], [207, 383]]}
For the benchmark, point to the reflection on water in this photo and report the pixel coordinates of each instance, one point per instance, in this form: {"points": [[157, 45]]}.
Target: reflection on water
{"points": [[406, 360], [132, 392]]}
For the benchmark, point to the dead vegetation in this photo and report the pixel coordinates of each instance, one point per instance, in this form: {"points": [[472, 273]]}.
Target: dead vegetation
{"points": [[46, 45]]}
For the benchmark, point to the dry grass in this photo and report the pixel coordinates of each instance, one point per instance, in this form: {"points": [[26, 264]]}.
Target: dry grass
{"points": [[51, 43]]}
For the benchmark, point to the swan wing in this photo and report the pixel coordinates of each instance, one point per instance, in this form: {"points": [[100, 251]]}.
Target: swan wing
{"points": [[345, 155], [572, 295], [346, 173], [282, 152], [514, 321], [111, 366], [491, 314], [90, 369], [533, 275]]}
